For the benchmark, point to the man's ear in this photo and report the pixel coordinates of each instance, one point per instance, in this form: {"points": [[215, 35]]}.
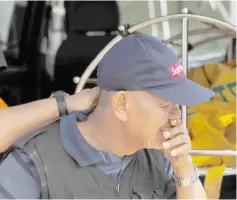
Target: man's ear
{"points": [[119, 104]]}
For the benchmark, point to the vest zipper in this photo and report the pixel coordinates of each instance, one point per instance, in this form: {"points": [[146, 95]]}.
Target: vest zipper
{"points": [[117, 189], [117, 186]]}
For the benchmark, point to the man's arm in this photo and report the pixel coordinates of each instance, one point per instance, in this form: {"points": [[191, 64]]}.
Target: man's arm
{"points": [[172, 192], [194, 190], [19, 120], [18, 177], [177, 148]]}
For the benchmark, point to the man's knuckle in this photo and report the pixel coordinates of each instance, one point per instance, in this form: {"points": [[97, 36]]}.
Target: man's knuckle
{"points": [[176, 130], [182, 137]]}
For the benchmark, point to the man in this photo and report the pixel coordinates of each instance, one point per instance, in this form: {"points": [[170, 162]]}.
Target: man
{"points": [[132, 145]]}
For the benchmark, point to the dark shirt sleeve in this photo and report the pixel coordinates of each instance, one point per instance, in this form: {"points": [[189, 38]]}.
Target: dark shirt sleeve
{"points": [[18, 177], [170, 189]]}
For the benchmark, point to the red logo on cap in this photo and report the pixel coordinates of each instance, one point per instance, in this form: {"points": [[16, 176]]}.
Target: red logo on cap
{"points": [[176, 70]]}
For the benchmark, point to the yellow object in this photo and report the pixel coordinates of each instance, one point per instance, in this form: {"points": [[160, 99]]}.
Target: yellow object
{"points": [[2, 104], [213, 180], [212, 123]]}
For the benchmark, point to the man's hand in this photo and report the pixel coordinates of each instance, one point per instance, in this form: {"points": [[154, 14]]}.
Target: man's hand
{"points": [[83, 100], [177, 148]]}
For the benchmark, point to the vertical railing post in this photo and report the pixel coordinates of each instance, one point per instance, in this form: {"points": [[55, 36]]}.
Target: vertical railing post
{"points": [[184, 58]]}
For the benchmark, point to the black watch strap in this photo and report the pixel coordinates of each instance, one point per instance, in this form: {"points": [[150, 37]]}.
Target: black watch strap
{"points": [[61, 102]]}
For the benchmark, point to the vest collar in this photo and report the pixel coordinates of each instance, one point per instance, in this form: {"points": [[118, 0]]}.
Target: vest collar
{"points": [[74, 143]]}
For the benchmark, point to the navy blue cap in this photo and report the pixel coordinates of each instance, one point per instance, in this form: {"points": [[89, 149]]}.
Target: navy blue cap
{"points": [[143, 63]]}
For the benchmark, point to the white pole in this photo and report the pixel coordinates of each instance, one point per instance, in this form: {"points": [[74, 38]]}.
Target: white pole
{"points": [[56, 31], [6, 13], [233, 15], [223, 10], [185, 58], [152, 14], [166, 25]]}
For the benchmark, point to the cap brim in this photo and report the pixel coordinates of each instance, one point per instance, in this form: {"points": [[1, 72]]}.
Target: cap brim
{"points": [[186, 93]]}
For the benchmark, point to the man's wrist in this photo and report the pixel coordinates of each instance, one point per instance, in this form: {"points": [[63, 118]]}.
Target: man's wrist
{"points": [[185, 170], [60, 96]]}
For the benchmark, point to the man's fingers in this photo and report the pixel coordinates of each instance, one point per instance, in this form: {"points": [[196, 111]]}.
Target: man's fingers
{"points": [[181, 150], [95, 91], [172, 132], [175, 122], [176, 141]]}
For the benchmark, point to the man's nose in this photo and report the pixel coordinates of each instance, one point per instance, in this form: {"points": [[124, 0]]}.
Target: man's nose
{"points": [[175, 112]]}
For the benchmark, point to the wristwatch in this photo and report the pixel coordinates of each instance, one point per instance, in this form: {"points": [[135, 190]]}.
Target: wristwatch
{"points": [[61, 102], [187, 181]]}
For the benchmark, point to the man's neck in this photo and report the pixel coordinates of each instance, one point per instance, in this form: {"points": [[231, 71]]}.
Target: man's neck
{"points": [[101, 134]]}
